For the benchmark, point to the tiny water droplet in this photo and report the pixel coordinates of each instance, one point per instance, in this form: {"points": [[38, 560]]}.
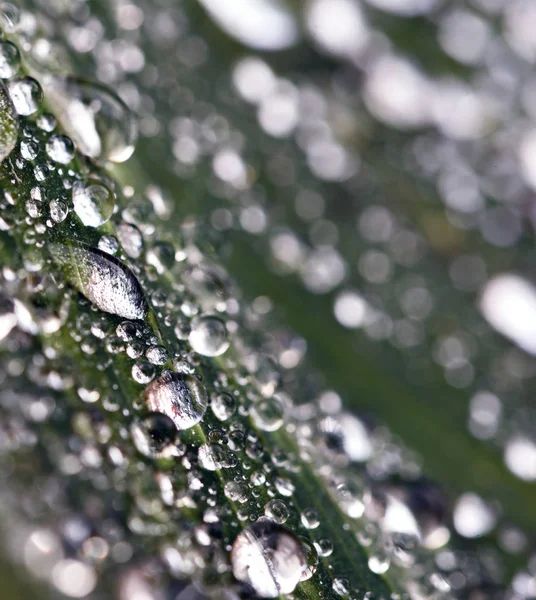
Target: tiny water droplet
{"points": [[26, 94], [93, 202], [100, 123], [181, 397], [9, 124], [269, 557], [155, 436], [104, 280], [209, 336], [9, 60]]}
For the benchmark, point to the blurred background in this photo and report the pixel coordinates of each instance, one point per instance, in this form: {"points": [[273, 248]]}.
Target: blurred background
{"points": [[369, 171]]}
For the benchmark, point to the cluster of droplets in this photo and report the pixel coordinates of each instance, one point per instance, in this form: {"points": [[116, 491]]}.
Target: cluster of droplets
{"points": [[174, 394]]}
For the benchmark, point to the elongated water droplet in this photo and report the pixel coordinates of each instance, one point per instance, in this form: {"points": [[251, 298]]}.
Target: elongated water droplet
{"points": [[269, 557], [104, 280], [99, 122], [93, 202], [9, 124], [181, 397]]}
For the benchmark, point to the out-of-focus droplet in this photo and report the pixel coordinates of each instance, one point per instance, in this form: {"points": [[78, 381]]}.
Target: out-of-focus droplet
{"points": [[26, 94], [209, 336], [9, 124], [93, 202], [269, 557], [9, 60], [268, 413], [60, 149], [105, 281], [260, 24], [131, 239], [181, 397], [8, 317], [206, 285], [223, 406], [9, 17], [100, 123], [155, 436]]}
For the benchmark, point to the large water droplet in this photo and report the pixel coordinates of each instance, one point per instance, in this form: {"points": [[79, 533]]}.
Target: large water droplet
{"points": [[9, 124], [269, 557], [209, 336], [93, 202], [181, 397], [26, 95], [96, 118], [104, 280]]}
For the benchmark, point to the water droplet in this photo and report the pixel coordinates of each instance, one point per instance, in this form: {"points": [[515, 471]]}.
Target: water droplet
{"points": [[277, 511], [9, 60], [9, 124], [143, 372], [93, 202], [379, 563], [161, 256], [9, 17], [223, 406], [105, 281], [157, 355], [60, 149], [206, 285], [268, 413], [155, 436], [212, 457], [209, 336], [96, 118], [269, 557], [26, 94], [182, 397], [309, 518], [131, 239], [58, 210], [108, 244]]}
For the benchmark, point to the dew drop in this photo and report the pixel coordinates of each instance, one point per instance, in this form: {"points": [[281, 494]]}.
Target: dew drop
{"points": [[155, 436], [26, 94], [58, 210], [104, 280], [268, 413], [223, 406], [9, 124], [93, 202], [60, 149], [277, 511], [181, 397], [269, 557], [131, 239], [9, 17], [209, 336], [9, 60], [206, 285], [100, 123]]}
